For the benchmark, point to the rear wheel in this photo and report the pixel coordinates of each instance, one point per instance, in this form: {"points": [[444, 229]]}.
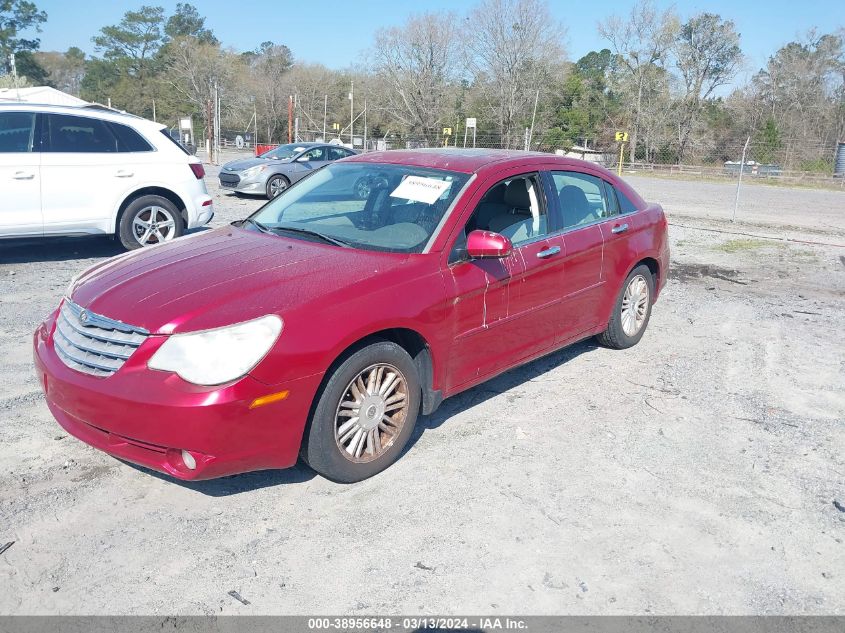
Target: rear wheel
{"points": [[276, 185], [632, 310], [149, 220], [365, 414]]}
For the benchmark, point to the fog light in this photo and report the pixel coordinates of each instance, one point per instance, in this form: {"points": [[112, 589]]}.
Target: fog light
{"points": [[188, 460]]}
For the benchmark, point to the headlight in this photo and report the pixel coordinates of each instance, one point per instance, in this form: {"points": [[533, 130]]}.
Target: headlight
{"points": [[213, 357], [253, 171]]}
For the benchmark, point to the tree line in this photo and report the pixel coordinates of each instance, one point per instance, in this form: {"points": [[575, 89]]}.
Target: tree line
{"points": [[670, 81]]}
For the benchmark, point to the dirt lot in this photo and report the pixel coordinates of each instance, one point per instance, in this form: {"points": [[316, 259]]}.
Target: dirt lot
{"points": [[694, 473]]}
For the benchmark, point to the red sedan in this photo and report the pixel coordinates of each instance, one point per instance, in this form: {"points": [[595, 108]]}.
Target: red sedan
{"points": [[325, 323]]}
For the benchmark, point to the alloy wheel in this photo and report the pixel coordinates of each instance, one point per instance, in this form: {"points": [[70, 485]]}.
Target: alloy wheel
{"points": [[277, 186], [371, 413], [153, 225], [635, 305]]}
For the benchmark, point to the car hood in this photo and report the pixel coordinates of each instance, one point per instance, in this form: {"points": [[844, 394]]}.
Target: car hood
{"points": [[246, 163], [221, 277]]}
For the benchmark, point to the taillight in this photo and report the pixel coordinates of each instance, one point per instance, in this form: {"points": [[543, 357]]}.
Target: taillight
{"points": [[198, 170]]}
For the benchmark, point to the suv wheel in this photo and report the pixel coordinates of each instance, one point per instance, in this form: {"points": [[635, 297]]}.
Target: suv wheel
{"points": [[150, 220]]}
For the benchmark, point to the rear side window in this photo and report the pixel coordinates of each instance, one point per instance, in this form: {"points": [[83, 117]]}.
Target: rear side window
{"points": [[16, 131], [76, 134], [581, 198], [175, 142], [336, 153], [625, 205], [128, 140]]}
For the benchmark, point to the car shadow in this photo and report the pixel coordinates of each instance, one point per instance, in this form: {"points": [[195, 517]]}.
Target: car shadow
{"points": [[57, 249], [236, 484], [248, 482], [500, 384]]}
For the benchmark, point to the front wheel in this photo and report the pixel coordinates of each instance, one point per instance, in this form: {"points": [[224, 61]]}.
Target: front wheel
{"points": [[365, 414], [631, 311], [276, 185], [149, 220]]}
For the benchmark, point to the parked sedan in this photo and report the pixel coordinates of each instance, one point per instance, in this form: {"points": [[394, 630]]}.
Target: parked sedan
{"points": [[274, 171], [324, 325]]}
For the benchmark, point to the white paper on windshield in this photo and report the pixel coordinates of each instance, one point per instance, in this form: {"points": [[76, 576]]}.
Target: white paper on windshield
{"points": [[421, 189]]}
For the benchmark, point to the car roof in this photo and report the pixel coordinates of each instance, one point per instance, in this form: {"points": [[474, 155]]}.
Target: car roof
{"points": [[95, 110], [469, 160]]}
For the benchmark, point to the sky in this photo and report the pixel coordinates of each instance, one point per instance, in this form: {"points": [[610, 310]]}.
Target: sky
{"points": [[336, 32]]}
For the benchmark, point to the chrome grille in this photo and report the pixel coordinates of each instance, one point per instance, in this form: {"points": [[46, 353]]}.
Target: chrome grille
{"points": [[92, 343]]}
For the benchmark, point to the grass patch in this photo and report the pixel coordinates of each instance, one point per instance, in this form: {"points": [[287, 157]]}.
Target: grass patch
{"points": [[740, 245]]}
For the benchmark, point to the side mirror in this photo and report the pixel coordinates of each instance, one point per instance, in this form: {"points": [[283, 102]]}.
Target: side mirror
{"points": [[486, 244]]}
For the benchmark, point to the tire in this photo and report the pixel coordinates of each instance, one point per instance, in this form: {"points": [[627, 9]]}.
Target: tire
{"points": [[626, 327], [352, 455], [134, 225], [276, 185]]}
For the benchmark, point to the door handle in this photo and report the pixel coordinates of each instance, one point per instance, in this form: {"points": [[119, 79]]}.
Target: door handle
{"points": [[23, 175], [554, 250], [122, 173], [619, 228]]}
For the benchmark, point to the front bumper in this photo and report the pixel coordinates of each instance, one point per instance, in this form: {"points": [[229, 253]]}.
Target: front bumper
{"points": [[233, 181], [149, 417]]}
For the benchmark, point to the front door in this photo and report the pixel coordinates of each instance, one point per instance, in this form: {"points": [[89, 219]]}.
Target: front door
{"points": [[20, 175], [309, 162]]}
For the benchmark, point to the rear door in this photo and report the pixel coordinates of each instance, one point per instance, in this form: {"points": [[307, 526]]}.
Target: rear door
{"points": [[581, 209], [20, 174]]}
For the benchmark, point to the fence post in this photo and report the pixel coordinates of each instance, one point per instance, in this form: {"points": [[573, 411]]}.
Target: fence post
{"points": [[739, 182]]}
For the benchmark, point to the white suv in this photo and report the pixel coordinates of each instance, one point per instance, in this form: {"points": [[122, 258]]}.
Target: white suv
{"points": [[89, 170]]}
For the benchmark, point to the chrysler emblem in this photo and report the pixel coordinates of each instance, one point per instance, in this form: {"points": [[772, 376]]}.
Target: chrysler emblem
{"points": [[83, 316]]}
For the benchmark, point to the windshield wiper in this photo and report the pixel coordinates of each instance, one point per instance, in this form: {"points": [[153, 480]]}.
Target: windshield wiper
{"points": [[257, 224], [326, 238]]}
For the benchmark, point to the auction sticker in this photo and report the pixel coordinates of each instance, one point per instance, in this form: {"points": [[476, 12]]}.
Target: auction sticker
{"points": [[420, 189]]}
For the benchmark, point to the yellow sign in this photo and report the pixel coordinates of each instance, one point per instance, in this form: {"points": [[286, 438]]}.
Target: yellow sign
{"points": [[621, 137], [335, 126], [447, 131]]}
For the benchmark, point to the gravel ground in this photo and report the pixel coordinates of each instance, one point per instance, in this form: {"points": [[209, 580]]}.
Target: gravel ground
{"points": [[694, 473]]}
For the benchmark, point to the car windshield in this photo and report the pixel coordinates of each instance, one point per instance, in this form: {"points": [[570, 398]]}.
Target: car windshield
{"points": [[371, 206], [283, 151]]}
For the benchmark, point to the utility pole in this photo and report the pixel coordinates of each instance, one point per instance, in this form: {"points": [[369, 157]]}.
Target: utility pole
{"points": [[533, 117], [325, 114], [290, 119], [365, 125], [351, 113], [739, 182]]}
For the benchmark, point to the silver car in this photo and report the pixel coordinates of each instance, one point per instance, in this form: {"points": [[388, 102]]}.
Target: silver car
{"points": [[274, 171]]}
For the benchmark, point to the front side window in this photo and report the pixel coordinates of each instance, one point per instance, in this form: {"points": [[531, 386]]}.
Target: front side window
{"points": [[76, 134], [514, 207], [581, 198], [371, 206], [316, 154], [16, 131]]}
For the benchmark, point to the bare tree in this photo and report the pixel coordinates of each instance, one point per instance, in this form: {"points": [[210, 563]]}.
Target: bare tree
{"points": [[196, 68], [707, 56], [416, 63], [642, 41], [514, 47]]}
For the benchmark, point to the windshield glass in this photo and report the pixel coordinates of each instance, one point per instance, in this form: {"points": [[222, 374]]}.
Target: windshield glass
{"points": [[372, 206], [283, 151]]}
